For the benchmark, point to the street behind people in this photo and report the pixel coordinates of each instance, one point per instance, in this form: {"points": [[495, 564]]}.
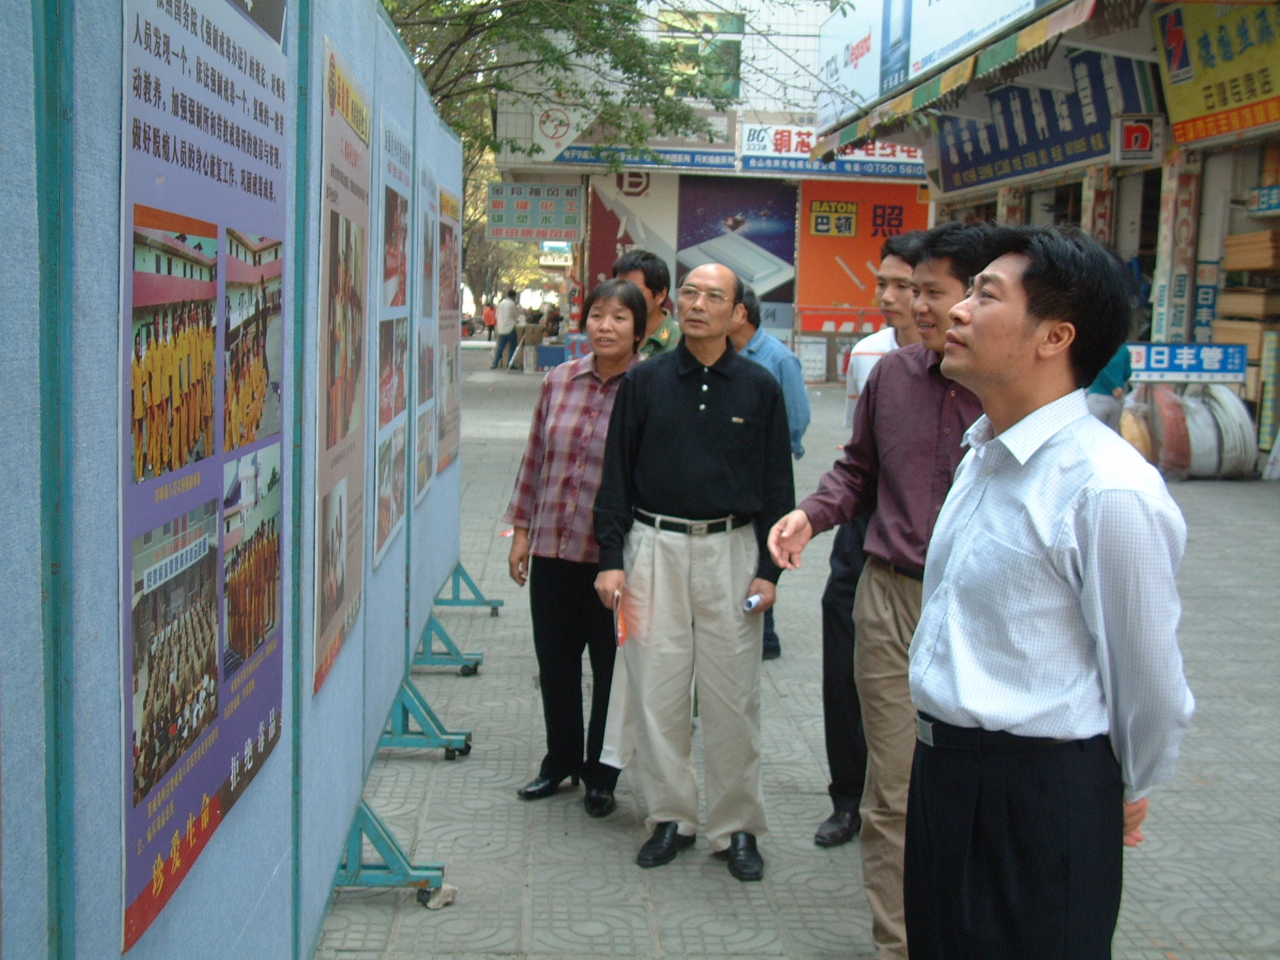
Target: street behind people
{"points": [[1046, 666], [697, 468], [905, 447], [553, 548]]}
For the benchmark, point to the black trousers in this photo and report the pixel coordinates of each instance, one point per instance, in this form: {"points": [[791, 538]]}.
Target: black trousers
{"points": [[1014, 853], [841, 711], [568, 617]]}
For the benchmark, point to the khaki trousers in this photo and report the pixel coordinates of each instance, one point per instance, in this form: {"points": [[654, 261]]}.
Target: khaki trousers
{"points": [[683, 605], [885, 613]]}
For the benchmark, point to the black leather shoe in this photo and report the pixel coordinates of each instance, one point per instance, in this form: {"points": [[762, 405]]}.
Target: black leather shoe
{"points": [[663, 846], [540, 787], [745, 862], [599, 803], [841, 827]]}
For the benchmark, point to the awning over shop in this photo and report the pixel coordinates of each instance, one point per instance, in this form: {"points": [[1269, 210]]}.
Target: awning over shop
{"points": [[998, 62]]}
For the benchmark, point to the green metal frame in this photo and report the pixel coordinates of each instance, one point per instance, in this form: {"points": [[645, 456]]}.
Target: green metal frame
{"points": [[456, 599], [426, 655], [52, 44], [395, 870], [410, 707]]}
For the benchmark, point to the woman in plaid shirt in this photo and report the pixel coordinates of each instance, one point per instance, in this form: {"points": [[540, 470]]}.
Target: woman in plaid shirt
{"points": [[553, 546]]}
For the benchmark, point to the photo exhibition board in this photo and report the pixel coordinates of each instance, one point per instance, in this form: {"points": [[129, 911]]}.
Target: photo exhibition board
{"points": [[449, 357], [344, 300], [204, 356], [391, 343]]}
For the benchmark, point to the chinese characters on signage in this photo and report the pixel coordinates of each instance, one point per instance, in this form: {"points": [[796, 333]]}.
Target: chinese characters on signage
{"points": [[1219, 67], [1188, 362], [772, 147], [203, 358], [535, 212]]}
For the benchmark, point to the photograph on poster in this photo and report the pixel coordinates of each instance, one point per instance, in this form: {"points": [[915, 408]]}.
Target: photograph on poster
{"points": [[450, 292], [393, 368], [171, 377], [749, 225], [426, 364], [267, 14], [345, 326], [395, 236], [428, 263], [423, 450], [250, 553], [175, 642], [253, 351], [391, 484], [333, 553]]}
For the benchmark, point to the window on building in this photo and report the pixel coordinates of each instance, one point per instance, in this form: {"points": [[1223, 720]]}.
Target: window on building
{"points": [[709, 49]]}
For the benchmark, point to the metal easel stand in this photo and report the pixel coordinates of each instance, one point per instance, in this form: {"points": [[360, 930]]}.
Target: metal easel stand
{"points": [[426, 654], [395, 870], [456, 599], [409, 708]]}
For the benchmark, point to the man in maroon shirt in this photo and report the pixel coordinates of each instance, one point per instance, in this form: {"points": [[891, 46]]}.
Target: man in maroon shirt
{"points": [[905, 448]]}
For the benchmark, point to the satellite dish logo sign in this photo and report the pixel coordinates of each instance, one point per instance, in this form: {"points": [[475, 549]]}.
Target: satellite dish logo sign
{"points": [[1177, 52]]}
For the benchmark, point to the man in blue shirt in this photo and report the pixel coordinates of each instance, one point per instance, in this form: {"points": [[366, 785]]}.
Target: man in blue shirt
{"points": [[771, 353]]}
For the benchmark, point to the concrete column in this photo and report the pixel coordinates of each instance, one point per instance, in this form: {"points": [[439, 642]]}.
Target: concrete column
{"points": [[1171, 286], [1097, 203]]}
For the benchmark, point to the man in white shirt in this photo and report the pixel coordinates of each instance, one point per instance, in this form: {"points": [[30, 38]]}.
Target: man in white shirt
{"points": [[508, 317], [841, 709], [1045, 666]]}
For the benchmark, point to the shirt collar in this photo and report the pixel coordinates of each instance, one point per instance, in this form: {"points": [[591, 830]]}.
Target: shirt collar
{"points": [[662, 336], [756, 343], [586, 366], [1030, 433], [688, 363]]}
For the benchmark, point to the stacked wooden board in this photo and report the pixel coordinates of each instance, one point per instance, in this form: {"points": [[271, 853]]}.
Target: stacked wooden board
{"points": [[1253, 251]]}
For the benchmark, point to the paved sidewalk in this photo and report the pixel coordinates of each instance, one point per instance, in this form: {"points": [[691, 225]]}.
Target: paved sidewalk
{"points": [[542, 880]]}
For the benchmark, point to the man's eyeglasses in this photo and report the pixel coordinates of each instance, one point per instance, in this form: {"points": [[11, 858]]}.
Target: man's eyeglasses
{"points": [[714, 297]]}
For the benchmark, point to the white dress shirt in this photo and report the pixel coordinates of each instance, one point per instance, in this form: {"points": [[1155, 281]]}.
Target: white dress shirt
{"points": [[1050, 607], [864, 356], [508, 316]]}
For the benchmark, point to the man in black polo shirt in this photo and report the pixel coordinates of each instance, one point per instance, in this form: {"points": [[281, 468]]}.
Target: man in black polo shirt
{"points": [[698, 449]]}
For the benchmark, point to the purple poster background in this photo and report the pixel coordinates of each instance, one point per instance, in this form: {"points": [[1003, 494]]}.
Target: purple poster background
{"points": [[203, 356], [748, 225]]}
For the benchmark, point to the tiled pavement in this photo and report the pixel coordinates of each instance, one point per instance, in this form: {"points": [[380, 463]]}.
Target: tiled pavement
{"points": [[542, 880]]}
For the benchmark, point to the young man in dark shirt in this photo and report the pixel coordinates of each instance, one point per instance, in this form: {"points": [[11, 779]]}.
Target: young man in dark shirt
{"points": [[905, 447]]}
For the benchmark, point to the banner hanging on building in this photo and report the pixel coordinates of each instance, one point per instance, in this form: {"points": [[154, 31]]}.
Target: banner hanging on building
{"points": [[533, 212], [344, 300], [1220, 66], [777, 148], [203, 356]]}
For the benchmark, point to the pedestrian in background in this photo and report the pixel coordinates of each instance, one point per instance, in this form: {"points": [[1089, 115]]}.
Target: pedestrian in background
{"points": [[1106, 394], [649, 272], [553, 548], [508, 316], [490, 319], [758, 344]]}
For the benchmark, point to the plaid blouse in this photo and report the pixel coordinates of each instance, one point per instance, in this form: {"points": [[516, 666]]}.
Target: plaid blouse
{"points": [[563, 461]]}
